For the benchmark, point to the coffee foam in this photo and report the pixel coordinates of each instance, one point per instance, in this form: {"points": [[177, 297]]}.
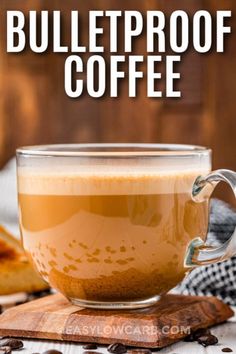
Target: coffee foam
{"points": [[107, 180]]}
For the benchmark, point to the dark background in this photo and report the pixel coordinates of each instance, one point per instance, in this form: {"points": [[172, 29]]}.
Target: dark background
{"points": [[34, 108]]}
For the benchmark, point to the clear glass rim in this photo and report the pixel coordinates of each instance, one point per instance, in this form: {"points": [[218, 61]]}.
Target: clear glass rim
{"points": [[121, 150]]}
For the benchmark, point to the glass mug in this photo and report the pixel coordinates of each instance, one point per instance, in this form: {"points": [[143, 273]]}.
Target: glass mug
{"points": [[117, 225]]}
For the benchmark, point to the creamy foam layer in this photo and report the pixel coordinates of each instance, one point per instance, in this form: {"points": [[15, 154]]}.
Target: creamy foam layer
{"points": [[107, 180]]}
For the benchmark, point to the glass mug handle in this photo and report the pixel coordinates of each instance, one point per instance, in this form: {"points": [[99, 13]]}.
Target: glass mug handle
{"points": [[198, 252]]}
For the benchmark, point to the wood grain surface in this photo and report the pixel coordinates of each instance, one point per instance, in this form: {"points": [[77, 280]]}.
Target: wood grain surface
{"points": [[54, 318]]}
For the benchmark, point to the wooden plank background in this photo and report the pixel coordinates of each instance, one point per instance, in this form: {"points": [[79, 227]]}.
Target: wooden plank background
{"points": [[35, 109]]}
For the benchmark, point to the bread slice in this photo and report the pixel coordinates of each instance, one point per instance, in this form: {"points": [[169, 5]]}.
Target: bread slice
{"points": [[16, 272]]}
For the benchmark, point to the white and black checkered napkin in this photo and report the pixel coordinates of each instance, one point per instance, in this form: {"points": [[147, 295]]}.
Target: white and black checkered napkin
{"points": [[215, 279]]}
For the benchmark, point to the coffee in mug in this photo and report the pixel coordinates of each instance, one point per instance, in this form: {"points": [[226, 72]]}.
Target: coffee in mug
{"points": [[112, 225]]}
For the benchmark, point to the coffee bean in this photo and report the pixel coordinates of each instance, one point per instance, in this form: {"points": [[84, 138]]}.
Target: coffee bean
{"points": [[91, 352], [117, 348], [200, 332], [194, 335], [52, 351], [90, 346], [139, 351], [11, 342], [190, 338], [209, 339], [226, 350], [5, 350]]}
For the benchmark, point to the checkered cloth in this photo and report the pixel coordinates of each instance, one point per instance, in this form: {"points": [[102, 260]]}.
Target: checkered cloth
{"points": [[215, 279]]}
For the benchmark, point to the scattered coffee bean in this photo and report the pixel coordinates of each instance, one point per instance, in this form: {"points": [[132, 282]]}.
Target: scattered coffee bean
{"points": [[90, 346], [117, 348], [91, 352], [5, 350], [139, 351], [209, 339], [201, 332], [190, 338], [227, 350], [12, 343], [52, 351], [194, 335]]}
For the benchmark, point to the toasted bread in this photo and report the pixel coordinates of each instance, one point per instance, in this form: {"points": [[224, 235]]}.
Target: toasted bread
{"points": [[16, 272]]}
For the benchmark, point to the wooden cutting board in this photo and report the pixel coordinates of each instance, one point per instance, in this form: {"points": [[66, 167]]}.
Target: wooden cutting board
{"points": [[53, 317]]}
